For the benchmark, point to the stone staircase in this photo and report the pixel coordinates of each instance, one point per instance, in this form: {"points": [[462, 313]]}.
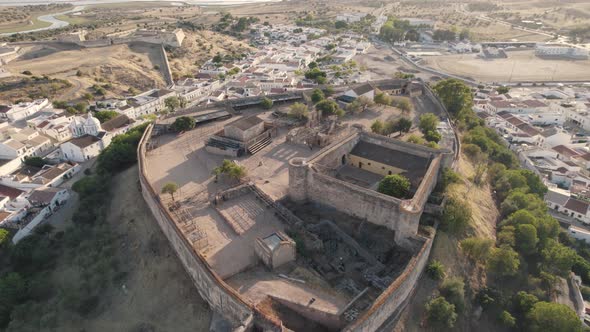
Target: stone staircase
{"points": [[259, 145]]}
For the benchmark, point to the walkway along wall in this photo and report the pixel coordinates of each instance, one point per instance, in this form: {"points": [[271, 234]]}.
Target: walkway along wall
{"points": [[212, 289]]}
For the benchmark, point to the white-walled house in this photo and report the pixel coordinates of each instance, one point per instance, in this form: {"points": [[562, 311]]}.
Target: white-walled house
{"points": [[80, 149], [365, 90], [22, 110]]}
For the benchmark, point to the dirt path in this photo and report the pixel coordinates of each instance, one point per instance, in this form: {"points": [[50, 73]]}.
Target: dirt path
{"points": [[157, 294]]}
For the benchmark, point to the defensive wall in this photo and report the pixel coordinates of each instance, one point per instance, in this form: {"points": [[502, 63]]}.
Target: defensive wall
{"points": [[311, 180], [212, 289], [386, 308]]}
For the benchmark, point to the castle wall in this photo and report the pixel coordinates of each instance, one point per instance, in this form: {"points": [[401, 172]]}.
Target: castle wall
{"points": [[395, 297], [212, 289]]}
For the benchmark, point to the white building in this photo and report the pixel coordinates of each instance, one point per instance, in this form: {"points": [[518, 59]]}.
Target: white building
{"points": [[561, 50], [22, 110], [80, 149]]}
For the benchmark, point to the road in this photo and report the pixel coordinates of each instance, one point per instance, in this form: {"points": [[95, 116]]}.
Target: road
{"points": [[61, 218]]}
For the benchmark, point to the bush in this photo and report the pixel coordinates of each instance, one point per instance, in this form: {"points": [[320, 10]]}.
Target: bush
{"points": [[477, 249], [453, 289], [440, 312], [266, 103], [435, 270], [456, 216], [329, 107]]}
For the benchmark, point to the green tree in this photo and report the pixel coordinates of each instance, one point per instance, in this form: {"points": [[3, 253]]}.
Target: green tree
{"points": [[104, 116], [435, 270], [415, 139], [503, 89], [428, 122], [35, 161], [403, 104], [550, 316], [456, 215], [395, 185], [88, 96], [476, 248], [317, 95], [80, 107], [453, 289], [558, 259], [455, 95], [231, 169], [172, 103], [170, 188], [432, 136], [507, 235], [328, 107], [298, 111], [504, 261], [4, 238], [523, 302], [382, 98], [440, 312], [266, 103], [526, 239], [507, 319], [404, 125], [377, 126], [340, 25], [183, 123]]}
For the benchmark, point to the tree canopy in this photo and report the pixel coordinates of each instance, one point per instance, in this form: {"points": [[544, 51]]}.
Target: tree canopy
{"points": [[395, 185], [183, 123], [550, 316]]}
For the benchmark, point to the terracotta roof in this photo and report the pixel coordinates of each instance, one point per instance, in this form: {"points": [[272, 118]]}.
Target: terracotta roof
{"points": [[534, 103], [564, 150], [577, 206], [43, 196], [4, 108], [117, 122], [10, 192], [84, 141]]}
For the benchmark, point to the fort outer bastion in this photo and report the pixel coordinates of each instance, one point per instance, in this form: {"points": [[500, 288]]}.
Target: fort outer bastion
{"points": [[319, 180]]}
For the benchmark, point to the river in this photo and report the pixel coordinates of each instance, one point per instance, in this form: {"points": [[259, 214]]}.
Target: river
{"points": [[81, 4]]}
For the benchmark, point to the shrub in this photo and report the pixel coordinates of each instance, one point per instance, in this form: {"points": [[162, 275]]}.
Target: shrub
{"points": [[440, 312], [456, 216], [453, 289], [435, 270], [266, 103], [317, 95], [477, 249]]}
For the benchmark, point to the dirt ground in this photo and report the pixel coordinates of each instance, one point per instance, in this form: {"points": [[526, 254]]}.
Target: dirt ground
{"points": [[446, 250], [123, 66], [519, 66], [157, 294]]}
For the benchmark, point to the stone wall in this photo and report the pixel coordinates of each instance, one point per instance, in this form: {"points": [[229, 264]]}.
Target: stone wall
{"points": [[212, 289], [313, 181], [395, 297]]}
